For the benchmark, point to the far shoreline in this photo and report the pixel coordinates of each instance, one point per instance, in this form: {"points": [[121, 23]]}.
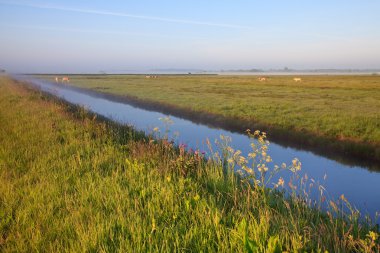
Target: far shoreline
{"points": [[219, 73]]}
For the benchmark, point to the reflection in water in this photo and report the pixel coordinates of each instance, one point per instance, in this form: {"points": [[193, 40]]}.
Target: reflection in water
{"points": [[359, 185]]}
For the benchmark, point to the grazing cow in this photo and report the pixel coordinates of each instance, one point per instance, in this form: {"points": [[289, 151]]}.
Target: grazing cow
{"points": [[297, 79], [56, 79], [262, 79], [151, 77], [65, 79]]}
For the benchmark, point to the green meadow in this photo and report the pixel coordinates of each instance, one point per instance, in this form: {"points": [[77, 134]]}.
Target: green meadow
{"points": [[70, 181], [337, 113]]}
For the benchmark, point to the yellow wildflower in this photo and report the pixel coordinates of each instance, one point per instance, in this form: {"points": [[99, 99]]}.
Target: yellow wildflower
{"points": [[237, 153], [242, 160], [262, 168], [281, 182], [248, 170], [372, 235]]}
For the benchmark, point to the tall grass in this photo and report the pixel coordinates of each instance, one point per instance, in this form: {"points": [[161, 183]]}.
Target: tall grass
{"points": [[71, 182]]}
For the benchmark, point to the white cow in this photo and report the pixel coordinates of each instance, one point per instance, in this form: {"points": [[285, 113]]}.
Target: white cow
{"points": [[297, 79], [56, 79]]}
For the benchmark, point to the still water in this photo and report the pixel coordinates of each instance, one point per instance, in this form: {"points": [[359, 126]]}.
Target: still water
{"points": [[358, 184]]}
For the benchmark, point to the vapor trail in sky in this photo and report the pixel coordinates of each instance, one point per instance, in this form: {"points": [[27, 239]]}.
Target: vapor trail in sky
{"points": [[127, 15]]}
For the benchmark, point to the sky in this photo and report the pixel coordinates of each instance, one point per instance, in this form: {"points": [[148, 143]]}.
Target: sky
{"points": [[83, 36]]}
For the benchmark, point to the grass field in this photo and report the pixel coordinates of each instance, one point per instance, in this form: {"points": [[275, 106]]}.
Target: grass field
{"points": [[336, 109], [71, 182]]}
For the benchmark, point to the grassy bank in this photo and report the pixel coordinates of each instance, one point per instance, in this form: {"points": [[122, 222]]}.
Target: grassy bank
{"points": [[70, 182], [326, 113]]}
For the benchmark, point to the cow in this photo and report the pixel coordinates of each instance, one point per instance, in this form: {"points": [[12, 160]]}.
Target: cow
{"points": [[147, 77], [65, 79], [262, 79], [56, 79], [297, 79]]}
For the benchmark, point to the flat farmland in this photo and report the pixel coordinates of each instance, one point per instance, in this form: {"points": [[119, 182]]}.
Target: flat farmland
{"points": [[340, 108]]}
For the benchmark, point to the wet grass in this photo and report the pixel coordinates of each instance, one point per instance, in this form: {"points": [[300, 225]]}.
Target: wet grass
{"points": [[71, 182], [338, 113]]}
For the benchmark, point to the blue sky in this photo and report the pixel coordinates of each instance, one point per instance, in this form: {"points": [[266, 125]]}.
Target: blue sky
{"points": [[115, 36]]}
